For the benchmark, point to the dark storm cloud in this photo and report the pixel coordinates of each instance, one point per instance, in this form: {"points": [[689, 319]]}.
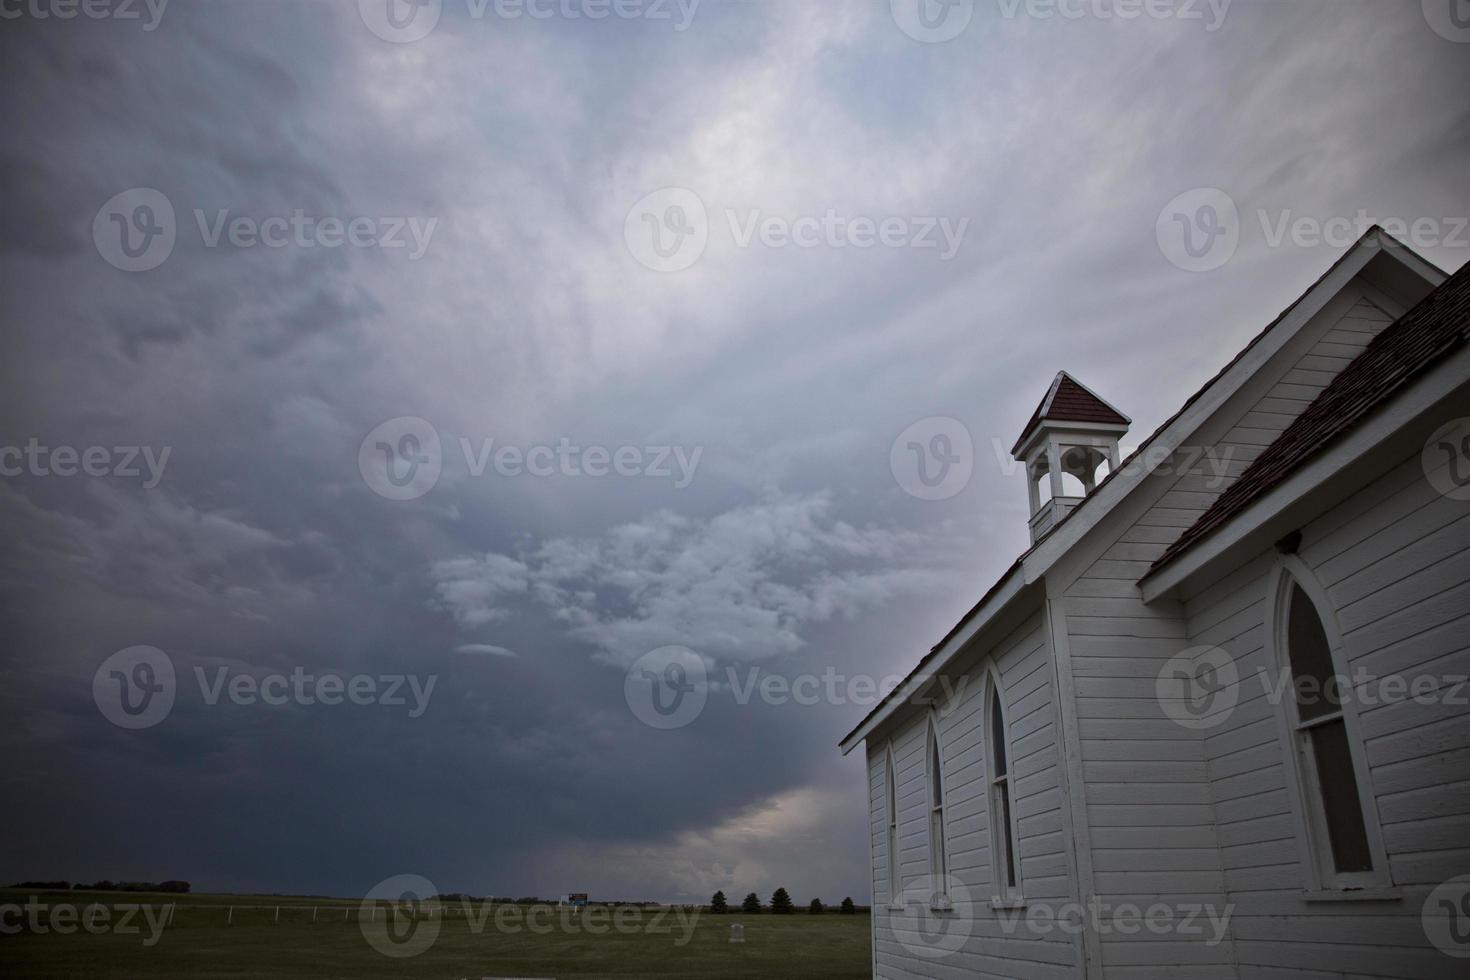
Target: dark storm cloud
{"points": [[527, 320]]}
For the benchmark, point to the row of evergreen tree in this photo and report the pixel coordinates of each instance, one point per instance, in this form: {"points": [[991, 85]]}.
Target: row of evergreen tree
{"points": [[780, 905]]}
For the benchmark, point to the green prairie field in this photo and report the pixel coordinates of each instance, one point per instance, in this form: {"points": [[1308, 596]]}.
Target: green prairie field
{"points": [[322, 938]]}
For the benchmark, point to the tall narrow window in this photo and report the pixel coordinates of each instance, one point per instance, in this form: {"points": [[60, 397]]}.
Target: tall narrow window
{"points": [[938, 866], [1323, 746], [892, 792], [1002, 829]]}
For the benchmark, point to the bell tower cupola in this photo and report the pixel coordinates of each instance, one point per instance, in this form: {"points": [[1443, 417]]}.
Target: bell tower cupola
{"points": [[1072, 436]]}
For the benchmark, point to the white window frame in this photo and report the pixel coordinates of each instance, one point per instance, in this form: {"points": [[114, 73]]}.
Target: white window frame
{"points": [[1314, 840], [938, 846], [890, 790], [1002, 849]]}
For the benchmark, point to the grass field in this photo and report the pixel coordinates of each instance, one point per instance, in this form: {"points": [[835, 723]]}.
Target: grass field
{"points": [[323, 939]]}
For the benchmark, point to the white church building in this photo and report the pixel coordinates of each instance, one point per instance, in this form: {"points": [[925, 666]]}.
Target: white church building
{"points": [[1215, 723]]}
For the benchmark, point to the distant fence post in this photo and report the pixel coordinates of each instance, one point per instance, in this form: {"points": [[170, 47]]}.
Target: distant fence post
{"points": [[313, 913], [278, 913], [231, 917]]}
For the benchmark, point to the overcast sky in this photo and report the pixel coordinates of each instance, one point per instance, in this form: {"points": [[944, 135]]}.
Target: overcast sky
{"points": [[989, 208]]}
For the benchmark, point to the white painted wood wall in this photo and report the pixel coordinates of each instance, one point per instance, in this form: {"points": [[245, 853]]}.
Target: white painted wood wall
{"points": [[1024, 667], [1168, 814]]}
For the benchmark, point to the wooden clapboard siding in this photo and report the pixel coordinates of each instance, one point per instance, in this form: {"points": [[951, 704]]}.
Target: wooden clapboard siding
{"points": [[1023, 660], [1304, 369], [1158, 814], [1394, 560]]}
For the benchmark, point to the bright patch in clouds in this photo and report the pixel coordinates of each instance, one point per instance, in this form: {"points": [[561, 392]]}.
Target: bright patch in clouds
{"points": [[739, 586], [782, 841]]}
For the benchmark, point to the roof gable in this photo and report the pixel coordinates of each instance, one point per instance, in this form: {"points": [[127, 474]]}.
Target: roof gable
{"points": [[1434, 328]]}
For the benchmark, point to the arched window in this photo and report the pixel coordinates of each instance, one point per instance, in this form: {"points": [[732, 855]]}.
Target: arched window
{"points": [[1325, 755], [892, 793], [1004, 860], [938, 863]]}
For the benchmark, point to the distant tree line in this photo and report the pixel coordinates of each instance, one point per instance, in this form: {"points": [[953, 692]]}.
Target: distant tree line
{"points": [[780, 905], [455, 898], [175, 887]]}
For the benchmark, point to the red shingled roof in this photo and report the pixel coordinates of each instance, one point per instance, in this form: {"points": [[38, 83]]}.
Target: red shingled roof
{"points": [[1068, 401], [1411, 345]]}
